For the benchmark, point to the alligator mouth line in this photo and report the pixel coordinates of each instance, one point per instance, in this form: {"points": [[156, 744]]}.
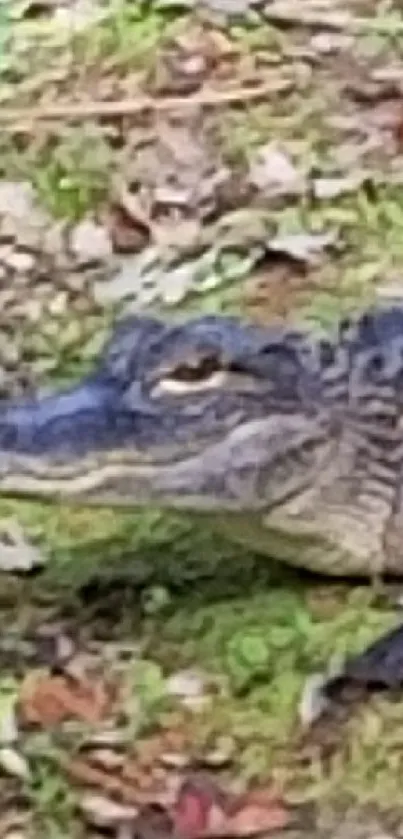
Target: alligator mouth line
{"points": [[209, 480], [97, 489], [78, 482], [120, 460], [27, 476]]}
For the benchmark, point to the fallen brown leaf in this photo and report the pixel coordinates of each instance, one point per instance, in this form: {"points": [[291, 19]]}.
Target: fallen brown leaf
{"points": [[254, 819], [191, 800], [81, 772], [49, 700]]}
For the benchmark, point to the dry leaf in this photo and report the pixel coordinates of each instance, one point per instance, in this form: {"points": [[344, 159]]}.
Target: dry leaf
{"points": [[90, 242], [16, 552], [273, 172], [253, 819], [48, 700], [13, 763], [129, 233], [307, 247], [203, 810], [313, 701], [327, 188], [191, 812], [104, 813], [186, 684]]}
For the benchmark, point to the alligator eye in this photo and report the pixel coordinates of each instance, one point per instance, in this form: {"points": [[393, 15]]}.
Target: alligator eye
{"points": [[176, 387], [202, 374], [197, 371]]}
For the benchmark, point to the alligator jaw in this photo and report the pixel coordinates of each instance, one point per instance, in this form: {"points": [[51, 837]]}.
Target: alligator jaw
{"points": [[68, 444], [298, 435], [75, 446]]}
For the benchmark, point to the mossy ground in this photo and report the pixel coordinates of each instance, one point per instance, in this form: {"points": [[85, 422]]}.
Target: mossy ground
{"points": [[221, 599]]}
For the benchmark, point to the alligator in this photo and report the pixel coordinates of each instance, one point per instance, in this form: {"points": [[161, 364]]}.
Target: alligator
{"points": [[286, 439]]}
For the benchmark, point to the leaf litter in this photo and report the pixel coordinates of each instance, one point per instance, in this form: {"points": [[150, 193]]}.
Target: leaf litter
{"points": [[161, 779], [135, 784], [174, 180]]}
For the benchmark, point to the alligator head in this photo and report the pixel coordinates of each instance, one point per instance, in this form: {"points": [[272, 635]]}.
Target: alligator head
{"points": [[217, 417], [208, 414]]}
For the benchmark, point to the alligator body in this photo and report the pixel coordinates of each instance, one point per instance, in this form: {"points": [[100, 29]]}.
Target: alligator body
{"points": [[285, 440]]}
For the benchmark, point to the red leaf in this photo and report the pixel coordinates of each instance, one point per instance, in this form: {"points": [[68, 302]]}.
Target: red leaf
{"points": [[204, 811], [192, 808]]}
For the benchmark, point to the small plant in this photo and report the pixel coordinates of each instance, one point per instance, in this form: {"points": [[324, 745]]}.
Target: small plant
{"points": [[73, 175], [147, 696], [248, 659]]}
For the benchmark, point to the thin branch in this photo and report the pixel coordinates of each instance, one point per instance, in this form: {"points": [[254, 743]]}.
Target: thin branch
{"points": [[292, 14], [16, 119]]}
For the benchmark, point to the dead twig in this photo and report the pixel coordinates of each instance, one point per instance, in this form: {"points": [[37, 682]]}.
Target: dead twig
{"points": [[23, 119], [290, 14]]}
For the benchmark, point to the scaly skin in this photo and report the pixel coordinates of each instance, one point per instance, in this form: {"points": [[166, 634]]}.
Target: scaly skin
{"points": [[288, 442]]}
